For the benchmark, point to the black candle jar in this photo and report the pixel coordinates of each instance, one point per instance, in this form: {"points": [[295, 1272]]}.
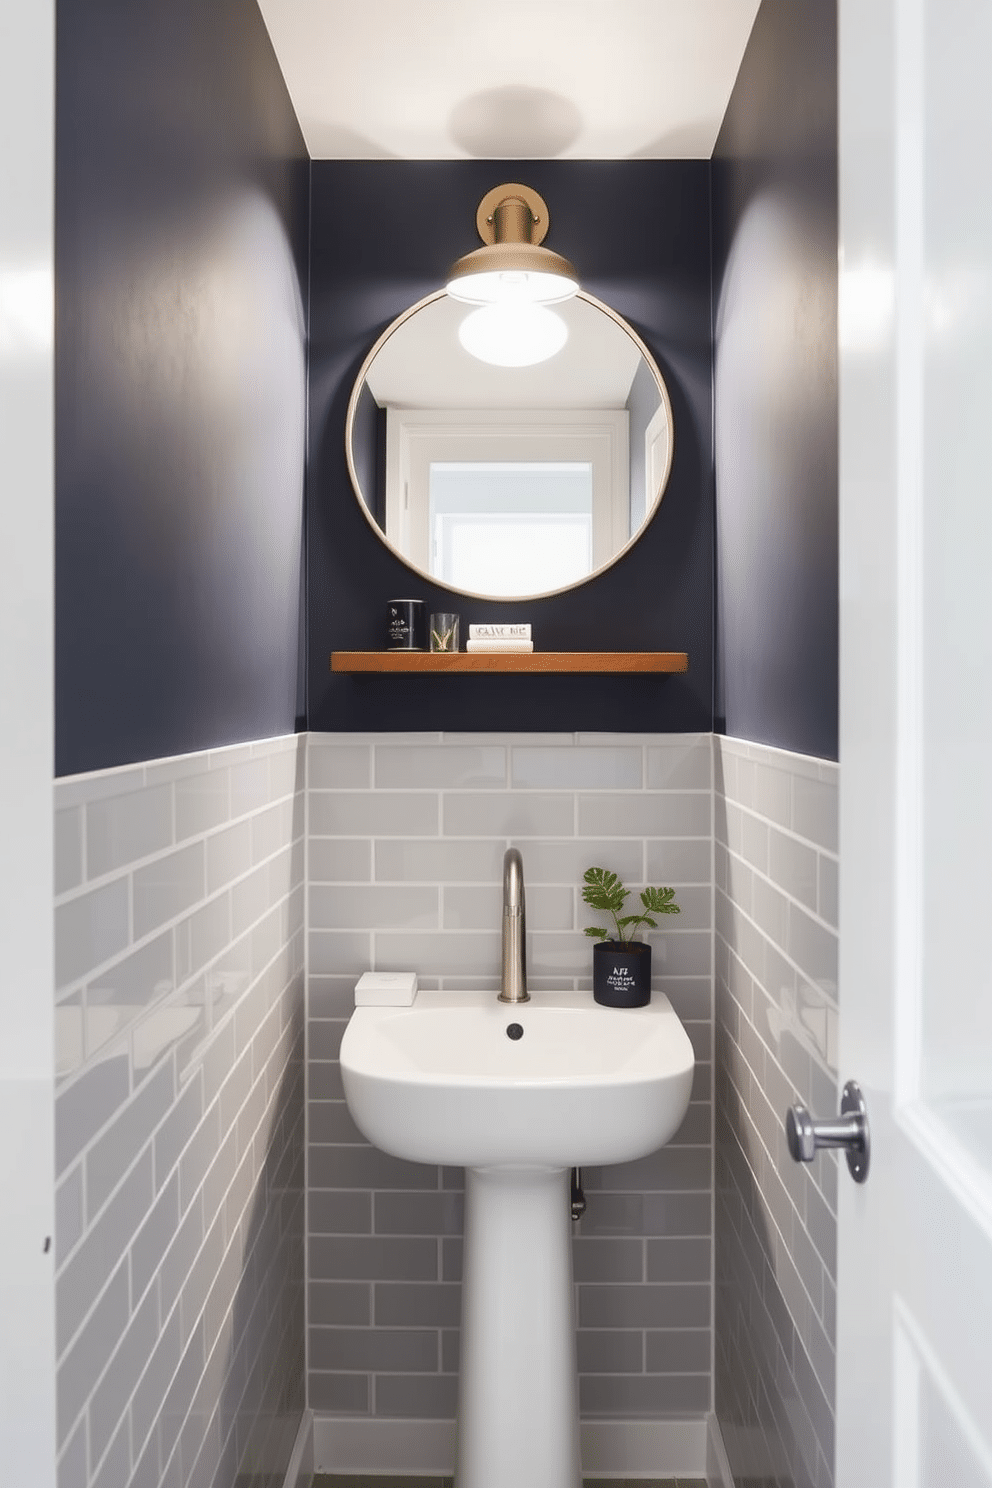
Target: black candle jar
{"points": [[405, 625], [621, 974]]}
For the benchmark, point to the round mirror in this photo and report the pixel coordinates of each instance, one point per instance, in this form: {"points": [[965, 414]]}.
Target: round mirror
{"points": [[509, 481]]}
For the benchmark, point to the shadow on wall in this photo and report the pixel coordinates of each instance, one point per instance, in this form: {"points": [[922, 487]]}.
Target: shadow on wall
{"points": [[179, 502], [515, 123], [777, 530]]}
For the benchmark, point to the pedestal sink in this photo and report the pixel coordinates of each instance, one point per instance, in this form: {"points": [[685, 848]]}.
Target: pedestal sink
{"points": [[517, 1096]]}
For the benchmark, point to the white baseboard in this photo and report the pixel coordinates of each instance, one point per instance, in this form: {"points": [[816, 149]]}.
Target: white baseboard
{"points": [[299, 1473], [360, 1446], [718, 1474]]}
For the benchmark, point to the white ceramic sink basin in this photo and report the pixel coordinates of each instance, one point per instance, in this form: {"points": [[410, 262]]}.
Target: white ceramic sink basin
{"points": [[444, 1082]]}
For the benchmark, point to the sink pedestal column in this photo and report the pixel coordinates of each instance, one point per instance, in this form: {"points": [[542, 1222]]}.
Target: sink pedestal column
{"points": [[518, 1416]]}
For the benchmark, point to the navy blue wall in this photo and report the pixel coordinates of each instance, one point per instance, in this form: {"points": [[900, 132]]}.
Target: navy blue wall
{"points": [[182, 248], [181, 258], [774, 176], [383, 235]]}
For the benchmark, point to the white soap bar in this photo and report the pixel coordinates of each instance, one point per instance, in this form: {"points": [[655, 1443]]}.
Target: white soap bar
{"points": [[386, 989], [495, 648]]}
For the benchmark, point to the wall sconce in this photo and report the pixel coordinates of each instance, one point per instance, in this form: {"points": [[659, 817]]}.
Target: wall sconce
{"points": [[512, 268], [513, 280]]}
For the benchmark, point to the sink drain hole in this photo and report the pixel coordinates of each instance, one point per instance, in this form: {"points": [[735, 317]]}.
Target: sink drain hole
{"points": [[514, 1031]]}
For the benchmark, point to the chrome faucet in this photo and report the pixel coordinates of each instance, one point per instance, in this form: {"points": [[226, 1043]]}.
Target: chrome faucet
{"points": [[514, 983]]}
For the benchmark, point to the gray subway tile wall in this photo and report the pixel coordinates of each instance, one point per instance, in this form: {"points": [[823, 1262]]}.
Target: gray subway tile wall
{"points": [[406, 835], [180, 1108], [776, 1028], [179, 1116]]}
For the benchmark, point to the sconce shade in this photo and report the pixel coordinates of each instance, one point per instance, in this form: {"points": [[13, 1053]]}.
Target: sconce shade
{"points": [[512, 268]]}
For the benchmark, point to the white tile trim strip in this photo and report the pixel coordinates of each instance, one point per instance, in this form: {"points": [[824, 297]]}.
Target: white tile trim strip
{"points": [[718, 1474], [300, 1469], [359, 1446]]}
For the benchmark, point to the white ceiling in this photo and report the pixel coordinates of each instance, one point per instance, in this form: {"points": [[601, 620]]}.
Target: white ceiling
{"points": [[525, 79], [422, 365]]}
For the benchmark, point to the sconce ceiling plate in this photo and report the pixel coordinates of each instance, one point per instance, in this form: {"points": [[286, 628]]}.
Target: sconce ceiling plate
{"points": [[538, 206]]}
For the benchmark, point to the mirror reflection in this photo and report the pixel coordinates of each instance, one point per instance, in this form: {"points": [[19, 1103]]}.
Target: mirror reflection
{"points": [[509, 481]]}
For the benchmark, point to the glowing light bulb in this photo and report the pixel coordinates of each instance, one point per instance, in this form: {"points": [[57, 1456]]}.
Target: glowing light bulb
{"points": [[512, 287], [513, 335]]}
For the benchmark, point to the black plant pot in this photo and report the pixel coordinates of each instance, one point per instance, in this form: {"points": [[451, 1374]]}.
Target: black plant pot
{"points": [[621, 975]]}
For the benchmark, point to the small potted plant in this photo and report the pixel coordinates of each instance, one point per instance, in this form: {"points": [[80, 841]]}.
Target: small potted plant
{"points": [[621, 964]]}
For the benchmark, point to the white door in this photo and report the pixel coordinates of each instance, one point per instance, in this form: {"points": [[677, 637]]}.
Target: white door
{"points": [[914, 1362], [27, 1060]]}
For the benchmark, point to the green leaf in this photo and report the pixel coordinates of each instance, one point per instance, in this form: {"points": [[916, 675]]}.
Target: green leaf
{"points": [[603, 890], [641, 919], [660, 901]]}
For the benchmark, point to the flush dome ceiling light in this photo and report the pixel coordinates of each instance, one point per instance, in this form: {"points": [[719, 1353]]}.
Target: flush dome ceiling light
{"points": [[513, 335], [513, 268]]}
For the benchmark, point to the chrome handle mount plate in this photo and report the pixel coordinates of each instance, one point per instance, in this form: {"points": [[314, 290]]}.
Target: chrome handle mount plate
{"points": [[849, 1131]]}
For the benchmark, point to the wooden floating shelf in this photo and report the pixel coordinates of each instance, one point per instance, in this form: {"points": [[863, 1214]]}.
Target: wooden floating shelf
{"points": [[509, 661]]}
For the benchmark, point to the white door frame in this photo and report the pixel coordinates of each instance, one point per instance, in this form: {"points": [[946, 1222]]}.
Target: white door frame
{"points": [[27, 1046]]}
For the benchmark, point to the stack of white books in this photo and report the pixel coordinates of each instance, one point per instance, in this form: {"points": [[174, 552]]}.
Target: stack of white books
{"points": [[499, 638]]}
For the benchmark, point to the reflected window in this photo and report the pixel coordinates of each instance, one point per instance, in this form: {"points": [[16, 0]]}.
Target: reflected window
{"points": [[565, 480], [510, 527]]}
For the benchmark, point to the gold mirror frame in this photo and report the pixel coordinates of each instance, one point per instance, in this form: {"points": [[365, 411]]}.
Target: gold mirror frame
{"points": [[650, 511]]}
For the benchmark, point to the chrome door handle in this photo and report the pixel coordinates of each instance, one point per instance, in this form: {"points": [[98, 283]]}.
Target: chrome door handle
{"points": [[848, 1130]]}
